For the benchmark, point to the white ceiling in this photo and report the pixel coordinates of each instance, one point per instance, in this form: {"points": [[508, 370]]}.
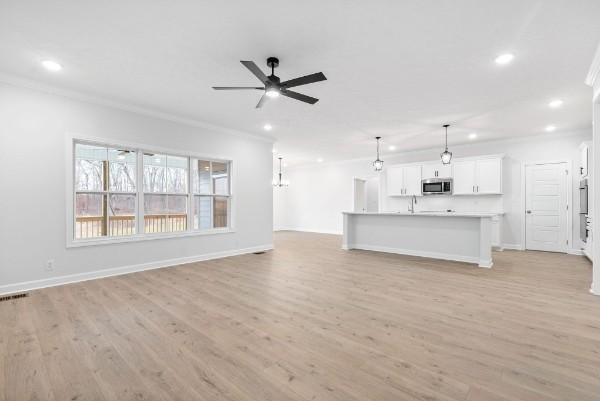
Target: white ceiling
{"points": [[399, 69]]}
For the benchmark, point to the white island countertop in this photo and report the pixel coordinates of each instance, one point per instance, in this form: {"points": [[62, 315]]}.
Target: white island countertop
{"points": [[435, 214]]}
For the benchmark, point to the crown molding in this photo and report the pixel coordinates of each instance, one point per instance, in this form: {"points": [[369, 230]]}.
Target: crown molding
{"points": [[594, 71], [132, 108]]}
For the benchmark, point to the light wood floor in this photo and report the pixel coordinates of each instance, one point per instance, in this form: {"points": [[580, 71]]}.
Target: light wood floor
{"points": [[309, 321]]}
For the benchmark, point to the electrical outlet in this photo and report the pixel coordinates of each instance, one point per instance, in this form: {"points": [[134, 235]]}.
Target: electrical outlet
{"points": [[50, 265]]}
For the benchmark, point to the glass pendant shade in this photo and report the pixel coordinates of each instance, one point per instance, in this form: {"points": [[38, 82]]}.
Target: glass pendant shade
{"points": [[446, 156]]}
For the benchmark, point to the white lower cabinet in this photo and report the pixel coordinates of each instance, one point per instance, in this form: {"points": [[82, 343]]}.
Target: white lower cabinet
{"points": [[404, 180], [497, 232]]}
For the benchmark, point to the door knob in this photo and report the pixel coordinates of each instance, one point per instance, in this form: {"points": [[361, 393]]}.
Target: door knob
{"points": [[529, 212]]}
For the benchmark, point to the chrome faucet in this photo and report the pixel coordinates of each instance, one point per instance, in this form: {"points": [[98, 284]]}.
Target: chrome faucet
{"points": [[413, 202]]}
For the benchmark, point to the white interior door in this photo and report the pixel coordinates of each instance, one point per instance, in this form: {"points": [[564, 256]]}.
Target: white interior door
{"points": [[360, 195], [546, 207]]}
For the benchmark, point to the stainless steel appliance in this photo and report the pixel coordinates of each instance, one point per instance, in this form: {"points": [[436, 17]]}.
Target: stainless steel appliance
{"points": [[583, 210], [437, 186]]}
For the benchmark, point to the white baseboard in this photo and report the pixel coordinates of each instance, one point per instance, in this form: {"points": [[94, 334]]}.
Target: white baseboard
{"points": [[588, 255], [116, 271], [311, 230], [595, 290], [423, 254], [513, 247], [573, 251]]}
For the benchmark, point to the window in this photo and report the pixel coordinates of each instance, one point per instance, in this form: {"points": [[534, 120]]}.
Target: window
{"points": [[105, 191], [165, 193], [176, 194], [211, 194]]}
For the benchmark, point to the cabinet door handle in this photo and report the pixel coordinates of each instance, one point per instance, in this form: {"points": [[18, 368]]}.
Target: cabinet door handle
{"points": [[477, 188], [473, 188]]}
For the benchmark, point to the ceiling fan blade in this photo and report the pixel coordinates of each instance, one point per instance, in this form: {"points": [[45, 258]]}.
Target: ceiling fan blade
{"points": [[262, 101], [230, 88], [307, 79], [255, 70], [299, 96]]}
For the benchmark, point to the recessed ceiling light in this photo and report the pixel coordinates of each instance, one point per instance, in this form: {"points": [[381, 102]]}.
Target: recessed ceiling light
{"points": [[268, 127], [51, 65], [555, 103], [504, 58], [391, 147], [319, 160], [473, 135], [550, 128], [274, 150]]}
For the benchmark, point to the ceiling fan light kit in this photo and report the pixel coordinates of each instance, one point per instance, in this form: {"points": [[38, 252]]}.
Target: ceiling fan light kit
{"points": [[273, 87]]}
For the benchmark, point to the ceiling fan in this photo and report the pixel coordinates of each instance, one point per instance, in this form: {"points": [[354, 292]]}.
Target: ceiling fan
{"points": [[273, 87]]}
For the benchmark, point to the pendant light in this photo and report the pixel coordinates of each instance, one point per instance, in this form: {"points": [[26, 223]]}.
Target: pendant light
{"points": [[445, 155], [280, 182], [378, 164]]}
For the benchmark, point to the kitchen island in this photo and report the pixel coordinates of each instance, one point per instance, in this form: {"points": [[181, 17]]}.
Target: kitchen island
{"points": [[463, 237]]}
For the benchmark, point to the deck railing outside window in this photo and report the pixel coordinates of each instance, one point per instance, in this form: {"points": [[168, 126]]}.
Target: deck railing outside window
{"points": [[168, 193]]}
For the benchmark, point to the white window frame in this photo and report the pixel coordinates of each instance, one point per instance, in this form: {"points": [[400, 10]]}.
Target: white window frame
{"points": [[140, 149]]}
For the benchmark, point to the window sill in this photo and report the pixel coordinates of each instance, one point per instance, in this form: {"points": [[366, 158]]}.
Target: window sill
{"points": [[144, 237]]}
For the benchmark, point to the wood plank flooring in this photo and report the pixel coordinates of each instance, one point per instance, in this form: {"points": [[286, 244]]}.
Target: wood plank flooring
{"points": [[309, 321]]}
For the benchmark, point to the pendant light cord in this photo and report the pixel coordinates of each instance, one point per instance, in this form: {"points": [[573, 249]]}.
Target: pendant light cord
{"points": [[446, 126]]}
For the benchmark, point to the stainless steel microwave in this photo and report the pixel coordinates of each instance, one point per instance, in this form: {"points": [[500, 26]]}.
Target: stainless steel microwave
{"points": [[437, 186]]}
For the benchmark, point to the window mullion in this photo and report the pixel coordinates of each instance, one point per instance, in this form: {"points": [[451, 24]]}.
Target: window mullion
{"points": [[190, 202], [139, 213]]}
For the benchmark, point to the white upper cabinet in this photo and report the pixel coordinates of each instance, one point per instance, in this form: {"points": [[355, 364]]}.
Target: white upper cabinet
{"points": [[478, 177], [412, 180], [395, 181], [437, 170], [489, 176], [404, 180], [464, 177]]}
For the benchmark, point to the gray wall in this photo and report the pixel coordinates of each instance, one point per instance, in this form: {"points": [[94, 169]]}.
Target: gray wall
{"points": [[33, 170]]}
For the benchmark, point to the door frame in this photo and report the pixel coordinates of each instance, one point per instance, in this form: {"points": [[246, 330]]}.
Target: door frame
{"points": [[569, 189], [367, 178], [354, 179]]}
